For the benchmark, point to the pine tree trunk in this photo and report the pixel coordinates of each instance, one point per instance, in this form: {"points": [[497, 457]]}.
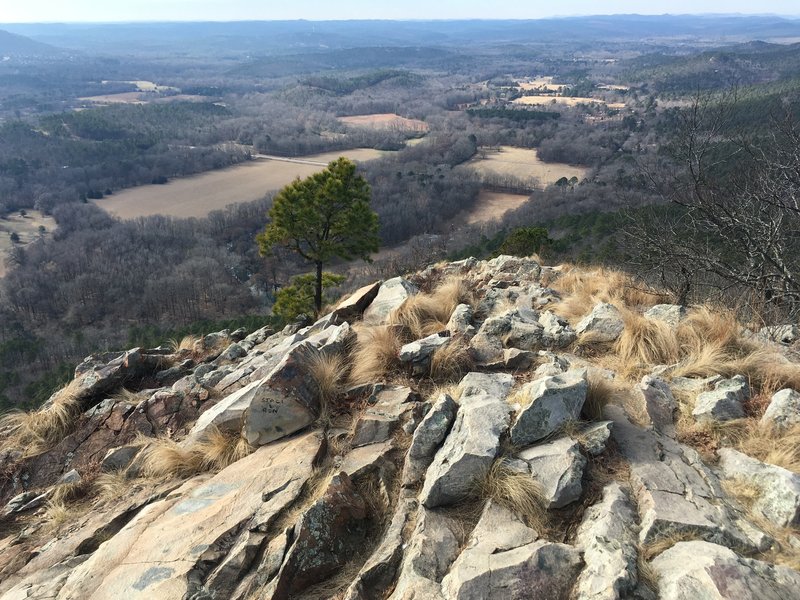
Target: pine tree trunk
{"points": [[318, 291]]}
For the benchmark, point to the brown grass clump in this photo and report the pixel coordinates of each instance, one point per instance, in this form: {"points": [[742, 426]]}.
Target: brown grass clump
{"points": [[583, 289], [518, 492], [422, 315], [768, 444], [329, 373], [218, 449], [646, 575], [111, 486], [38, 431], [185, 344], [645, 342], [164, 457], [375, 354], [452, 361], [600, 393]]}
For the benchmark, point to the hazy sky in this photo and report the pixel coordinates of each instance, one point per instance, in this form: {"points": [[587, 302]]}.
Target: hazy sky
{"points": [[14, 11]]}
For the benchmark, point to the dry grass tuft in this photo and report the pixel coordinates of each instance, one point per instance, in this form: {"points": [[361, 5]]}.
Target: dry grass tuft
{"points": [[422, 315], [187, 343], [38, 431], [111, 486], [653, 549], [769, 445], [601, 392], [329, 373], [218, 449], [646, 575], [583, 289], [645, 342], [451, 362], [164, 457], [57, 513], [375, 354], [518, 492]]}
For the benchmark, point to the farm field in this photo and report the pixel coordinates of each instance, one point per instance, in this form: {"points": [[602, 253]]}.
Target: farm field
{"points": [[493, 205], [523, 163], [385, 121], [565, 100], [541, 83], [198, 195], [26, 227]]}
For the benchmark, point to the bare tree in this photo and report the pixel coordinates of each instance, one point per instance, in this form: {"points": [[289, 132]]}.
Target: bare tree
{"points": [[731, 218]]}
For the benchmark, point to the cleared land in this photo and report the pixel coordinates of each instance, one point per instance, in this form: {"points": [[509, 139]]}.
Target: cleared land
{"points": [[198, 195], [385, 121], [565, 100], [141, 98], [493, 205], [27, 228], [523, 164], [540, 83]]}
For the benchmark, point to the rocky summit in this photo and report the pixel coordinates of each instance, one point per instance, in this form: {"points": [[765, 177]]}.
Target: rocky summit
{"points": [[479, 430]]}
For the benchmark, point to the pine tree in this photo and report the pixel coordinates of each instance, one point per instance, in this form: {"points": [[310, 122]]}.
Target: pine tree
{"points": [[324, 216]]}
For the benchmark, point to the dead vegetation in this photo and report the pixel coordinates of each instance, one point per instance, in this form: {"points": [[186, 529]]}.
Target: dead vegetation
{"points": [[164, 457], [35, 432], [518, 492], [375, 354], [422, 314], [583, 289]]}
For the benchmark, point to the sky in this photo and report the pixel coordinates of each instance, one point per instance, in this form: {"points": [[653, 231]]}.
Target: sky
{"points": [[27, 11]]}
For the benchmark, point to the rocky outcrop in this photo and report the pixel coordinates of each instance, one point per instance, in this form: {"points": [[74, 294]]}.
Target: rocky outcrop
{"points": [[551, 402], [778, 489], [503, 559], [725, 403], [473, 441], [696, 569], [492, 487], [604, 323], [608, 539], [783, 410], [558, 467]]}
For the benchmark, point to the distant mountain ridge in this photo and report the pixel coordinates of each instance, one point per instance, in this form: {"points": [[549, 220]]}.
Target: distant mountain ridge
{"points": [[12, 44], [276, 37]]}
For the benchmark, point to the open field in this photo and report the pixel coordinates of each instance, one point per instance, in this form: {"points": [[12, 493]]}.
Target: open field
{"points": [[141, 98], [198, 195], [385, 121], [493, 205], [26, 227], [565, 100], [540, 83], [524, 164]]}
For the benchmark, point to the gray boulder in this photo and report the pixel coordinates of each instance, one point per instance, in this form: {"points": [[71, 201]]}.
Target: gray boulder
{"points": [[659, 402], [381, 419], [783, 410], [553, 401], [558, 467], [779, 498], [428, 436], [391, 295], [604, 323], [556, 332], [694, 570], [594, 436], [672, 314], [608, 540], [472, 444], [461, 321], [724, 403], [503, 561], [419, 353]]}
